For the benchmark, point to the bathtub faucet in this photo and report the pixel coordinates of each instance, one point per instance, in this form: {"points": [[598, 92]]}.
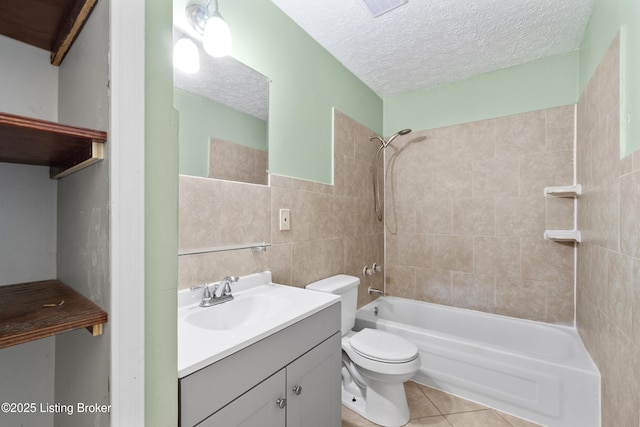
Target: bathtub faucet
{"points": [[374, 291]]}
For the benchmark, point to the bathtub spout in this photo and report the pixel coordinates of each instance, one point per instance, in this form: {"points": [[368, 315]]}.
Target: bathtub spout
{"points": [[374, 291]]}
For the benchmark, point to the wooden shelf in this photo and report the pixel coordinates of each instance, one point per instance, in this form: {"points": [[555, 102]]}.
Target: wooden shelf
{"points": [[47, 24], [65, 149], [34, 310]]}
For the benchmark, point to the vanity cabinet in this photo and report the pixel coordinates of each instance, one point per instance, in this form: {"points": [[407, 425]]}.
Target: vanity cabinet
{"points": [[290, 378], [259, 407], [303, 394], [313, 386]]}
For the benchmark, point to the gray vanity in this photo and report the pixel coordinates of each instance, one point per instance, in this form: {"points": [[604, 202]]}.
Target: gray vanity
{"points": [[281, 368]]}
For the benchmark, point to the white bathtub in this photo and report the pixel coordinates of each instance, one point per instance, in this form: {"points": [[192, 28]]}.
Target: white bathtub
{"points": [[532, 370]]}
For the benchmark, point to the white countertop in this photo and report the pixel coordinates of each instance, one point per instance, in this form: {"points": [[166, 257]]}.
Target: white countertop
{"points": [[199, 346]]}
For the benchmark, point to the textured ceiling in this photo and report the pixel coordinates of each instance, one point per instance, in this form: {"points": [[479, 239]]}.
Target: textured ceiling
{"points": [[426, 43]]}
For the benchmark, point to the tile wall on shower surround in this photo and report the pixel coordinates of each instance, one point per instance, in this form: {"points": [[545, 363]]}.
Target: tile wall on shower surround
{"points": [[333, 227], [466, 214], [608, 274]]}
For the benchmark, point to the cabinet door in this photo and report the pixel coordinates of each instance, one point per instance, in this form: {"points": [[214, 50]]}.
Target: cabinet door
{"points": [[313, 386], [256, 408]]}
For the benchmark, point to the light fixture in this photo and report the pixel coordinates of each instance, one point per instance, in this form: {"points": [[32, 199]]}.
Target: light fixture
{"points": [[186, 56], [215, 31]]}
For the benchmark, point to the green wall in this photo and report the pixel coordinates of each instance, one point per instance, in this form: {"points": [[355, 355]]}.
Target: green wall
{"points": [[610, 17], [306, 83], [545, 83], [161, 221], [201, 118]]}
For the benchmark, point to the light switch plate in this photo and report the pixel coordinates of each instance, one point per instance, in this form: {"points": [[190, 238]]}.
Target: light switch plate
{"points": [[285, 220]]}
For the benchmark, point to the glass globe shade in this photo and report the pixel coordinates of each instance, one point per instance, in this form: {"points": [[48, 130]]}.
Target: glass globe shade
{"points": [[217, 37], [186, 57]]}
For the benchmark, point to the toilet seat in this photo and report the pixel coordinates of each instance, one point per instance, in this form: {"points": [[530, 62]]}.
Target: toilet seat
{"points": [[382, 346]]}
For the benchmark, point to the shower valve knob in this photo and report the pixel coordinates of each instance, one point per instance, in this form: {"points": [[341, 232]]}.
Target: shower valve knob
{"points": [[366, 271]]}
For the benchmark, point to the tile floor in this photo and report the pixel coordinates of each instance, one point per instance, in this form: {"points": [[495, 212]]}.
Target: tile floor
{"points": [[431, 407]]}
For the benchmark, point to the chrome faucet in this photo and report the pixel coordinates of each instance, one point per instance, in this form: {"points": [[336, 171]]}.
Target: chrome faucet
{"points": [[224, 288], [221, 292]]}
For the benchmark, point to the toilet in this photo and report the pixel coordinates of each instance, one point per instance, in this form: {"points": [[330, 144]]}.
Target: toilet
{"points": [[375, 363]]}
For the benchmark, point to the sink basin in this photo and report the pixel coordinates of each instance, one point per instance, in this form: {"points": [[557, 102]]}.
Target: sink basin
{"points": [[237, 313], [259, 309]]}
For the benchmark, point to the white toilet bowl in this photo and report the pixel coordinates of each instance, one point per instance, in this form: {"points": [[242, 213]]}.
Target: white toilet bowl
{"points": [[375, 363], [375, 366]]}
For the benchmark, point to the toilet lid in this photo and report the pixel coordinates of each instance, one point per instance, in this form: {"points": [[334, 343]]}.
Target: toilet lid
{"points": [[383, 346]]}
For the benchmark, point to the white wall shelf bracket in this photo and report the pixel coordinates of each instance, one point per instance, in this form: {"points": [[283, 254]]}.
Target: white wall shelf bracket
{"points": [[563, 191], [563, 235]]}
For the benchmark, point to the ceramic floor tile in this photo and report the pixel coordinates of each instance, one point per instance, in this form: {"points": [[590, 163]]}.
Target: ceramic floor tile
{"points": [[483, 418], [438, 421], [351, 419], [431, 407], [419, 404], [518, 422], [447, 403]]}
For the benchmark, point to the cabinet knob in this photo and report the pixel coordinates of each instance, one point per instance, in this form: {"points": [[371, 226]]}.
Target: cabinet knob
{"points": [[297, 390], [281, 403]]}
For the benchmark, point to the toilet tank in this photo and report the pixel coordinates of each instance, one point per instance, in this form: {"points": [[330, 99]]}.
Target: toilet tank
{"points": [[345, 286]]}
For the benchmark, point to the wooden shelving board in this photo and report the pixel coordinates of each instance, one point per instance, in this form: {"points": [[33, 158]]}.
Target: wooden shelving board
{"points": [[52, 25], [65, 149], [34, 310]]}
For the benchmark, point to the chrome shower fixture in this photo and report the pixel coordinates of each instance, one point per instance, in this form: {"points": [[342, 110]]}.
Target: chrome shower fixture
{"points": [[384, 143]]}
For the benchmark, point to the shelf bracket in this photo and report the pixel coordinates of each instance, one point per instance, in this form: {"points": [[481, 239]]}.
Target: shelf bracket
{"points": [[563, 191], [563, 235], [95, 155], [95, 330]]}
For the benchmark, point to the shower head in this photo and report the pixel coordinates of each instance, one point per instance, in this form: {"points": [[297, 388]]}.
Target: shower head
{"points": [[395, 135], [384, 143]]}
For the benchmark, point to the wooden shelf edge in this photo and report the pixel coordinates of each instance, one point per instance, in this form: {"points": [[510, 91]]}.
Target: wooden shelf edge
{"points": [[35, 310], [13, 120], [50, 25], [70, 30], [66, 149]]}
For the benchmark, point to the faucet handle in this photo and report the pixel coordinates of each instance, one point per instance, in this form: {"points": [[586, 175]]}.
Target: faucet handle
{"points": [[207, 291]]}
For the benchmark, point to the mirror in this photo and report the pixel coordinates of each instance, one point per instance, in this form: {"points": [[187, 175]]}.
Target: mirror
{"points": [[224, 111]]}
